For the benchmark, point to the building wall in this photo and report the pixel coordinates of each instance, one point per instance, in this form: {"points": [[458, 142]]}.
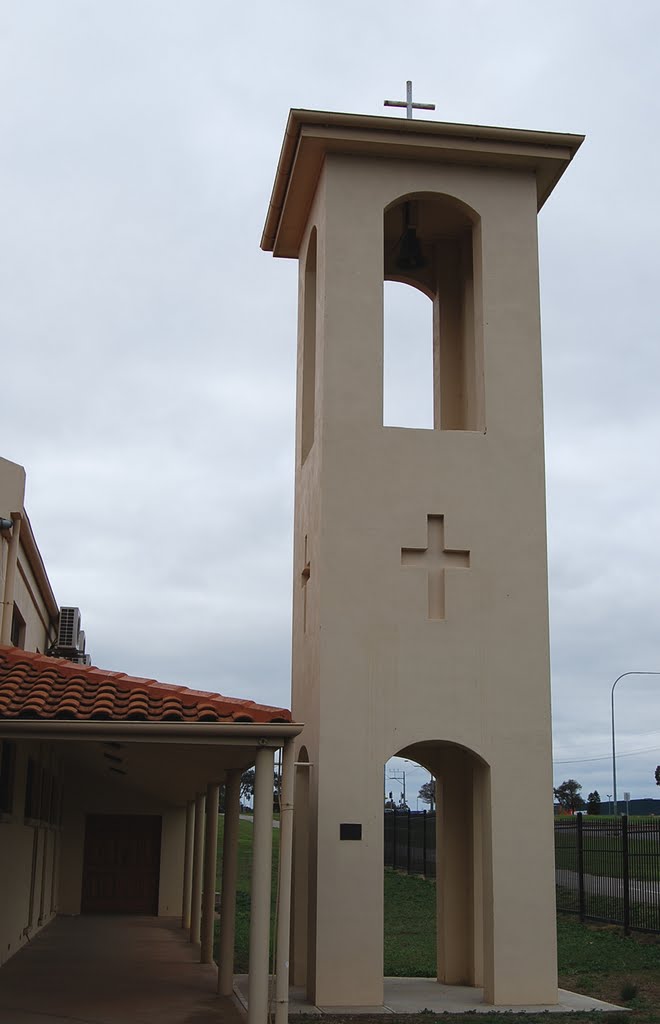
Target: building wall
{"points": [[32, 607], [12, 487], [24, 585], [28, 854]]}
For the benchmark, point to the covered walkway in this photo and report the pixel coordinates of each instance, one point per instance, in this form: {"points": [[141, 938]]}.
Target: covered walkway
{"points": [[98, 969], [109, 799]]}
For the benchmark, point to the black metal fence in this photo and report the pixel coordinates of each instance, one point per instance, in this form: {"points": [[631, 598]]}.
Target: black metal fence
{"points": [[410, 842], [608, 869]]}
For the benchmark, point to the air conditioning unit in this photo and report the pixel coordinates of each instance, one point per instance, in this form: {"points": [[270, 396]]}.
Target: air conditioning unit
{"points": [[68, 631], [78, 658]]}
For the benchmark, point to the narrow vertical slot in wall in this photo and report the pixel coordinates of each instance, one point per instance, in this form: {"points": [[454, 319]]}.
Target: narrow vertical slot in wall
{"points": [[407, 357], [309, 349]]}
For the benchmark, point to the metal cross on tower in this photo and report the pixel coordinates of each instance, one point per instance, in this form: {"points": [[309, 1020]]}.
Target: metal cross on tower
{"points": [[408, 103]]}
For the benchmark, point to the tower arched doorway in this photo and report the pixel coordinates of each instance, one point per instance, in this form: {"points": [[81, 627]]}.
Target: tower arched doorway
{"points": [[454, 853]]}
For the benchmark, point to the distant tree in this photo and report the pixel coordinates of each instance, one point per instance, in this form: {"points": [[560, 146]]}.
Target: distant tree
{"points": [[593, 802], [568, 796], [427, 794], [657, 776], [277, 790], [247, 785]]}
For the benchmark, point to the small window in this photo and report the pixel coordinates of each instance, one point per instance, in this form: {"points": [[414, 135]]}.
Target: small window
{"points": [[32, 790], [46, 793], [55, 817], [17, 629], [7, 765]]}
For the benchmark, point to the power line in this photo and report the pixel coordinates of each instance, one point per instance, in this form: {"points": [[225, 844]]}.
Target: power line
{"points": [[608, 757]]}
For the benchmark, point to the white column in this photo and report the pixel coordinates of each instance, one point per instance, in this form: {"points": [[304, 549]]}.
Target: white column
{"points": [[210, 867], [187, 864], [197, 866], [284, 912], [44, 870], [228, 889], [54, 873], [262, 857]]}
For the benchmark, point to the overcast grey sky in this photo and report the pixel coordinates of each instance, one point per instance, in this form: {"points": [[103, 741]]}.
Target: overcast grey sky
{"points": [[147, 367]]}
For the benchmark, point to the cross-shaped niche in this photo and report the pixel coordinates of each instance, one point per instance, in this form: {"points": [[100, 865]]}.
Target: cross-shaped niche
{"points": [[435, 558]]}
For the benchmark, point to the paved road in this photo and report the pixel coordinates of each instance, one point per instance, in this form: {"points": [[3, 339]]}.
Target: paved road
{"points": [[602, 885], [248, 817]]}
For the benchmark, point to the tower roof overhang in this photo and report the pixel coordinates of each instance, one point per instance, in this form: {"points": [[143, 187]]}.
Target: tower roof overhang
{"points": [[312, 134]]}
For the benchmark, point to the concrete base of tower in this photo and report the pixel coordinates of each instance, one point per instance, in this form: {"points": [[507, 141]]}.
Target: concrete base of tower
{"points": [[413, 995]]}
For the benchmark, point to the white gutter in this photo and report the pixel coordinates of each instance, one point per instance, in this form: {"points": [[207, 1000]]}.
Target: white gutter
{"points": [[271, 734]]}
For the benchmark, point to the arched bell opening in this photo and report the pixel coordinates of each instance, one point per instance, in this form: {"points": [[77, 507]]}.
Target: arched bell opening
{"points": [[432, 243], [407, 357], [449, 845]]}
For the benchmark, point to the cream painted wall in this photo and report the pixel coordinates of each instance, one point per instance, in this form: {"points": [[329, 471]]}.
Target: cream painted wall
{"points": [[12, 488], [31, 606], [27, 593], [170, 893], [16, 843], [12, 493]]}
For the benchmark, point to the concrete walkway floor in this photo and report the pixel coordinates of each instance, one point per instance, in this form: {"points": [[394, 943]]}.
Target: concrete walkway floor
{"points": [[98, 969], [421, 995]]}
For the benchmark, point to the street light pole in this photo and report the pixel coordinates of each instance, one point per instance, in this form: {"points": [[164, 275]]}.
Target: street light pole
{"points": [[622, 676], [399, 775]]}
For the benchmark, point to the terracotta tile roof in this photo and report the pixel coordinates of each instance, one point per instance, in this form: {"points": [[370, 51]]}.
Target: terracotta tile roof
{"points": [[35, 686]]}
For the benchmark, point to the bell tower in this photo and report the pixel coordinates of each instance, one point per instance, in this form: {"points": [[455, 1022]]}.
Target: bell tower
{"points": [[420, 618]]}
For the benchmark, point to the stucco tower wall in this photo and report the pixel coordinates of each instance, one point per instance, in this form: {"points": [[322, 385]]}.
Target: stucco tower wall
{"points": [[372, 674], [306, 689]]}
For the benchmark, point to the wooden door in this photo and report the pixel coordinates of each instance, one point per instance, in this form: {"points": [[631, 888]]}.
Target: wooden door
{"points": [[121, 864]]}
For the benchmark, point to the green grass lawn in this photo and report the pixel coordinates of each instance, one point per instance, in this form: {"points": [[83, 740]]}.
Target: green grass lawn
{"points": [[242, 943], [409, 926], [604, 963]]}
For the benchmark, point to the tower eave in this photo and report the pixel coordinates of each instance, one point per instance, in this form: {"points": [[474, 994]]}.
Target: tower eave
{"points": [[312, 134]]}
